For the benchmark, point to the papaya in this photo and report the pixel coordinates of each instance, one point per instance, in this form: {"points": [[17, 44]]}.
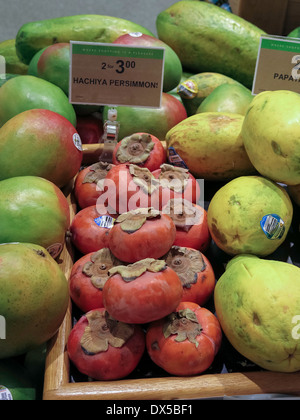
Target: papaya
{"points": [[39, 142], [210, 145], [155, 121], [250, 215], [34, 297], [227, 98], [15, 381], [197, 87], [209, 38], [257, 304], [33, 36], [33, 209], [13, 64], [270, 135], [28, 92]]}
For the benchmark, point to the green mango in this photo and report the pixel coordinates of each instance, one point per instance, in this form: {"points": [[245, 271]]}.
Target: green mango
{"points": [[270, 135], [155, 121], [28, 92], [227, 98], [34, 297], [32, 67], [54, 65], [257, 303]]}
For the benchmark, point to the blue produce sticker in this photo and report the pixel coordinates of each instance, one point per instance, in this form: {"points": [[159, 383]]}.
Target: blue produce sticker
{"points": [[272, 226], [105, 221], [175, 159]]}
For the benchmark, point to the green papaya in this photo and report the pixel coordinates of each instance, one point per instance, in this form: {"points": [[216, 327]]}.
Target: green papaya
{"points": [[33, 36], [196, 88], [209, 38], [13, 63], [257, 304]]}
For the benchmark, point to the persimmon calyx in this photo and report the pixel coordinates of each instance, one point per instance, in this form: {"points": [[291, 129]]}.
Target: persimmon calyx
{"points": [[97, 172], [184, 324], [102, 330], [135, 148], [183, 213], [173, 177], [144, 179], [133, 220], [132, 271], [99, 265], [187, 263]]}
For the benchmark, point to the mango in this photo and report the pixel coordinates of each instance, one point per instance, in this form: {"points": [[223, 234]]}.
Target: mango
{"points": [[250, 214], [33, 209], [257, 303], [39, 142], [172, 71], [28, 92], [211, 146], [227, 98], [156, 121], [270, 134], [34, 297], [202, 85], [209, 38]]}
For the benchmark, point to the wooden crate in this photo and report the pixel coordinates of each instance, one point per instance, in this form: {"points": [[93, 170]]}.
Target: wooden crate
{"points": [[58, 385]]}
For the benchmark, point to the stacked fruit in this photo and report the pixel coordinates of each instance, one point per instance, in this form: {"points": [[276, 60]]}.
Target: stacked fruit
{"points": [[141, 280], [142, 237]]}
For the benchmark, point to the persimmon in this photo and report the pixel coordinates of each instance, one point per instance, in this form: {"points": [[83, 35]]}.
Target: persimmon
{"points": [[186, 341], [141, 233], [129, 187], [89, 230], [191, 224], [104, 348], [88, 184], [88, 276], [142, 292], [195, 272], [142, 149], [176, 182]]}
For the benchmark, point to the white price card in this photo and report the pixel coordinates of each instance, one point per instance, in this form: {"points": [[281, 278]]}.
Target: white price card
{"points": [[112, 74], [277, 65]]}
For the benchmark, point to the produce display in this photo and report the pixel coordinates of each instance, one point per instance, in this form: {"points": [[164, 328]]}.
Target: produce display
{"points": [[185, 242]]}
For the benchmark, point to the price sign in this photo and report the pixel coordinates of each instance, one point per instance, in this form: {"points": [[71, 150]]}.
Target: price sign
{"points": [[277, 65], [112, 74]]}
